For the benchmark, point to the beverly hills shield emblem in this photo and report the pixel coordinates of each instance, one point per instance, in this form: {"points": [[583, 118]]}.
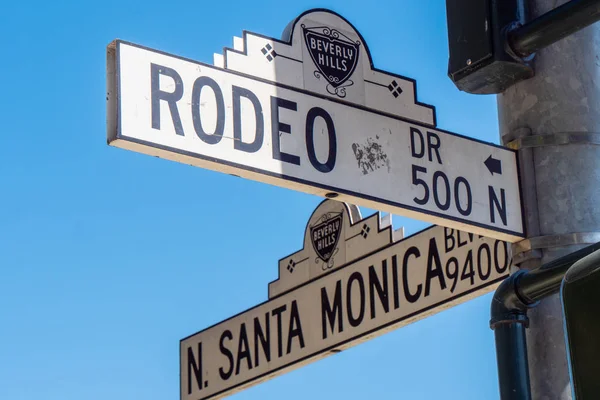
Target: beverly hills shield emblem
{"points": [[335, 55], [325, 235]]}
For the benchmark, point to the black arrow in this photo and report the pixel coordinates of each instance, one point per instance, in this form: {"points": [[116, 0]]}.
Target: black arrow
{"points": [[493, 165]]}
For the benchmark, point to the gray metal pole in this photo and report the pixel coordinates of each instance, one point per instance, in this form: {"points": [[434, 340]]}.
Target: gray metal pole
{"points": [[561, 175]]}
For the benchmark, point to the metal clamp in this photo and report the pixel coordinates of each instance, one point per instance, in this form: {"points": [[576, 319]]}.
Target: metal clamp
{"points": [[554, 139], [529, 248]]}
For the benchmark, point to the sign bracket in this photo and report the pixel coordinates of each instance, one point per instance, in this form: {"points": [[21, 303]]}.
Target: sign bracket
{"points": [[522, 250]]}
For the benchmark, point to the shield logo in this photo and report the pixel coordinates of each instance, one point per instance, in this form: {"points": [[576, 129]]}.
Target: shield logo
{"points": [[325, 235], [335, 55]]}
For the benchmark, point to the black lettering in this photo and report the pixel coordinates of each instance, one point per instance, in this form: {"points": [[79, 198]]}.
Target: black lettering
{"points": [[262, 338], [420, 182], [356, 276], [313, 113], [194, 366], [331, 312], [413, 146], [468, 271], [243, 350], [461, 244], [433, 144], [395, 281], [227, 353], [452, 274], [171, 98], [277, 127], [277, 313], [410, 297], [436, 196], [449, 236], [295, 328], [499, 205], [238, 142], [469, 206], [217, 135], [496, 261], [382, 289], [488, 262], [434, 267]]}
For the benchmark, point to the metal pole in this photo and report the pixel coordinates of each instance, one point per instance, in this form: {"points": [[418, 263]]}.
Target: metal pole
{"points": [[554, 26], [563, 97]]}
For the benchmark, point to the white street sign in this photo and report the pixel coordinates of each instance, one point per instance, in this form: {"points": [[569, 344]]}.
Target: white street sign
{"points": [[352, 281], [311, 113]]}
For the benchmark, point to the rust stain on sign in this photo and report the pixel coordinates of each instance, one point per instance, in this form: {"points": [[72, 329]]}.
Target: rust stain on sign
{"points": [[370, 156]]}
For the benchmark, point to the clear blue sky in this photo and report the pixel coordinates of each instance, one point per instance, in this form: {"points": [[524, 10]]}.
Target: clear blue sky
{"points": [[108, 257]]}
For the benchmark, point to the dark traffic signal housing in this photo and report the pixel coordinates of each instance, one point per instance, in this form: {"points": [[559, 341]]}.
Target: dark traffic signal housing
{"points": [[480, 61], [492, 45], [580, 296]]}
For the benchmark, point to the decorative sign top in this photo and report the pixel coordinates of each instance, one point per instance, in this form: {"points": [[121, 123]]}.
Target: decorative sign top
{"points": [[335, 235], [323, 53]]}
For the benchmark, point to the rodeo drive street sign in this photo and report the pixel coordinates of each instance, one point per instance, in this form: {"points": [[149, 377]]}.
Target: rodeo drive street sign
{"points": [[311, 113]]}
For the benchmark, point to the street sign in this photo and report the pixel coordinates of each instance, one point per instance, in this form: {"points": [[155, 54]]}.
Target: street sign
{"points": [[353, 280], [311, 113]]}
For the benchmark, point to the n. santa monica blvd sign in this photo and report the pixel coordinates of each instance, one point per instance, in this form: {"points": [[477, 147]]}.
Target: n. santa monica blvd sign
{"points": [[352, 281], [311, 113]]}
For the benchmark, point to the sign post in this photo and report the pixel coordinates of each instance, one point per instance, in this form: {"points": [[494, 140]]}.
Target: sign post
{"points": [[352, 281], [311, 113]]}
